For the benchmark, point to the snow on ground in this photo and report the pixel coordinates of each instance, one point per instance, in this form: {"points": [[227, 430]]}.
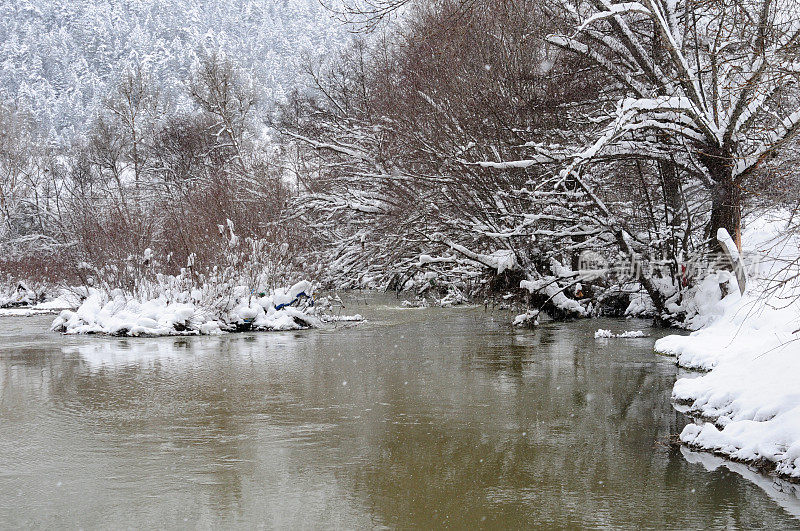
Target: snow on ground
{"points": [[752, 405], [188, 314], [748, 406], [66, 299]]}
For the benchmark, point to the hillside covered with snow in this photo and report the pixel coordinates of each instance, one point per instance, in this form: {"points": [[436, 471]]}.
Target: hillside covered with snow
{"points": [[59, 59]]}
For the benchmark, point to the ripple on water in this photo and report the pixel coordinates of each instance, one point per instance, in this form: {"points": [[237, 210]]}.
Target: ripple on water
{"points": [[447, 418]]}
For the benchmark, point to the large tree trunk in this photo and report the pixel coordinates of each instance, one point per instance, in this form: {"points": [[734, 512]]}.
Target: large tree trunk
{"points": [[726, 197], [726, 210]]}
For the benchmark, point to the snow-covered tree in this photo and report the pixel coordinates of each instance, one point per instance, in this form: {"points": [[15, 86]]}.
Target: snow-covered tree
{"points": [[397, 127], [709, 87], [692, 98]]}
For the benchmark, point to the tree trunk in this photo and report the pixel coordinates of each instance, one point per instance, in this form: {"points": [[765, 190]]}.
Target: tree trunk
{"points": [[673, 210], [726, 211], [726, 197]]}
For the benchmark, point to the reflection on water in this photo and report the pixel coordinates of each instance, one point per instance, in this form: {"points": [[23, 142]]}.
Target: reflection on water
{"points": [[784, 493], [418, 418]]}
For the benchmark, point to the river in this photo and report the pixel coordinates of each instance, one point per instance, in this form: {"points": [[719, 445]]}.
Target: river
{"points": [[417, 418]]}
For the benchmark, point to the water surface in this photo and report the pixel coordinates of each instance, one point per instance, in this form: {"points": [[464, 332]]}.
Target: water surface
{"points": [[418, 418]]}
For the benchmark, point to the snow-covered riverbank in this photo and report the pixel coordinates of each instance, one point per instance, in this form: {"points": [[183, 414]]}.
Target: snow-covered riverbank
{"points": [[24, 303], [748, 405]]}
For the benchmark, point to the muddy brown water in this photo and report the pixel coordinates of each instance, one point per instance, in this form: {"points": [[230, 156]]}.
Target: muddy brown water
{"points": [[417, 418]]}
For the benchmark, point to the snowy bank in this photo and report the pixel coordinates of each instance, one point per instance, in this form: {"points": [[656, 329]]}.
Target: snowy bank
{"points": [[189, 313], [17, 294], [67, 299], [748, 406]]}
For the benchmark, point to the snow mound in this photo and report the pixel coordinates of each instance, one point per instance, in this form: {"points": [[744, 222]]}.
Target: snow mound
{"points": [[528, 319], [631, 334], [120, 315], [608, 334], [344, 318]]}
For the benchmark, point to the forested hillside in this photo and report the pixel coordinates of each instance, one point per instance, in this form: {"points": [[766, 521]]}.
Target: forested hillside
{"points": [[60, 59]]}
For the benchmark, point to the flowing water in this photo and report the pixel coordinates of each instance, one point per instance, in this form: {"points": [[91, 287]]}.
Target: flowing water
{"points": [[417, 418]]}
